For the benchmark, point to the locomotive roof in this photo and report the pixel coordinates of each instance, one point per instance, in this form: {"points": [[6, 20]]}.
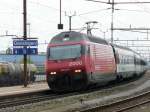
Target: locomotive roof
{"points": [[76, 36]]}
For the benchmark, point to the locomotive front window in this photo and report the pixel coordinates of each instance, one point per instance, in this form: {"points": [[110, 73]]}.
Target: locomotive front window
{"points": [[64, 52]]}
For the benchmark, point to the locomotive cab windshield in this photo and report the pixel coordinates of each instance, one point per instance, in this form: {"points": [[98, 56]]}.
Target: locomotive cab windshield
{"points": [[64, 52]]}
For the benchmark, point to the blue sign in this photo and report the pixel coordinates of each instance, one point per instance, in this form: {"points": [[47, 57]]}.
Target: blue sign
{"points": [[22, 51], [32, 51], [25, 43]]}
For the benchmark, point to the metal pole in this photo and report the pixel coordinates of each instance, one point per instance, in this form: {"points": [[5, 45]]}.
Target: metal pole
{"points": [[28, 65], [60, 11], [25, 38], [147, 34], [88, 28], [70, 23], [112, 22]]}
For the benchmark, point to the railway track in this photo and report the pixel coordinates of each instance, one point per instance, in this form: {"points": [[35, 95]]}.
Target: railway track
{"points": [[19, 99], [122, 105], [28, 98], [31, 98]]}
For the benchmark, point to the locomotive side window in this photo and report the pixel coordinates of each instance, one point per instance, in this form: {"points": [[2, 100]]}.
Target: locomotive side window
{"points": [[64, 52]]}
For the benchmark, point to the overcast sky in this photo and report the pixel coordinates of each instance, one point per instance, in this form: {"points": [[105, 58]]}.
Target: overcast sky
{"points": [[43, 15]]}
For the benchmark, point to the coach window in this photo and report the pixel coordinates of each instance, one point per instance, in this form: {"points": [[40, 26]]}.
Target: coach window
{"points": [[122, 60], [125, 60], [131, 60], [135, 60], [138, 61], [128, 60]]}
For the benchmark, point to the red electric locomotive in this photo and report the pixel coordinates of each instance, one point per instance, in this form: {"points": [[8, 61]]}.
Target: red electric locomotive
{"points": [[76, 60]]}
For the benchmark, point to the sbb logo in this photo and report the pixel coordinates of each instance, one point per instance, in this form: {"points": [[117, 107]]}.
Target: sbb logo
{"points": [[75, 63]]}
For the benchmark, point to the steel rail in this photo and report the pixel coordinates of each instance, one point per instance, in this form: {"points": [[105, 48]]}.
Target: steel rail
{"points": [[25, 100], [22, 99], [116, 106], [133, 106], [34, 98]]}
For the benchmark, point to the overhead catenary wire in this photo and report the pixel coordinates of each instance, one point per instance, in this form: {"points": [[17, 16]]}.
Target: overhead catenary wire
{"points": [[143, 7], [49, 21], [15, 8], [115, 3], [112, 14], [45, 5], [94, 11], [118, 9]]}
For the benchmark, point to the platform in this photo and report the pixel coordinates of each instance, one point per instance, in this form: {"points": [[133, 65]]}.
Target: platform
{"points": [[14, 90]]}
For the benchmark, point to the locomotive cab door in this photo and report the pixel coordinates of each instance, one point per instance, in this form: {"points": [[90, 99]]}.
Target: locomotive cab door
{"points": [[89, 63]]}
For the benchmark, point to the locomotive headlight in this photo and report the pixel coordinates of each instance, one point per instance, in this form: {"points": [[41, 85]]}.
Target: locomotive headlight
{"points": [[78, 71], [53, 73]]}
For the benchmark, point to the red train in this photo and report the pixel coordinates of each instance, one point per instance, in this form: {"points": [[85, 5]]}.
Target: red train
{"points": [[76, 61]]}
